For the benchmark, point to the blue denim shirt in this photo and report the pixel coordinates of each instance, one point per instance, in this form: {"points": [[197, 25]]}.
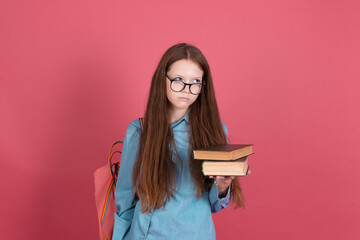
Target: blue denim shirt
{"points": [[183, 217]]}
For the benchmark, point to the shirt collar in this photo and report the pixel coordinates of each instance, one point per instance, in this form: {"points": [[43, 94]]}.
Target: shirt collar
{"points": [[184, 118]]}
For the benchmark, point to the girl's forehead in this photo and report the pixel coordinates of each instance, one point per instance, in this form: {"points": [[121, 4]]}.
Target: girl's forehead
{"points": [[185, 67]]}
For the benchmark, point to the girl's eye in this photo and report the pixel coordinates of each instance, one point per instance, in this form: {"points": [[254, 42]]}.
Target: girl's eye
{"points": [[177, 79], [196, 81]]}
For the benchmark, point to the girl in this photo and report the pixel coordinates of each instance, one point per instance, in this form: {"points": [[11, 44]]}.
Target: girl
{"points": [[161, 192]]}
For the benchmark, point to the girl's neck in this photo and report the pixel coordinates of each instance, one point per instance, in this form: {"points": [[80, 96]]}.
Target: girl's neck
{"points": [[176, 114]]}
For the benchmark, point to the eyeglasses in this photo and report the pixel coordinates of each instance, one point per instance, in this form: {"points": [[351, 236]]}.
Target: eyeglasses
{"points": [[178, 85]]}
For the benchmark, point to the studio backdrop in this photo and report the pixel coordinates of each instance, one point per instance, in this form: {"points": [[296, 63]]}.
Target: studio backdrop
{"points": [[74, 74]]}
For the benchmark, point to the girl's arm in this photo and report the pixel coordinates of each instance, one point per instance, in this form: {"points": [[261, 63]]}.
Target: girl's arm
{"points": [[124, 197], [216, 203]]}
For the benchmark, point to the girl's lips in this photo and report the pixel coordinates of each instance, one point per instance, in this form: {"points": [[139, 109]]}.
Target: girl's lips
{"points": [[184, 99]]}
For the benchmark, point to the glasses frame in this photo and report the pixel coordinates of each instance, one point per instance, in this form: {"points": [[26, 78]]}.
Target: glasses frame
{"points": [[203, 84]]}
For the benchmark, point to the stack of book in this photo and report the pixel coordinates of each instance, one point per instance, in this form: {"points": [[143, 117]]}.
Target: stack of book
{"points": [[224, 160]]}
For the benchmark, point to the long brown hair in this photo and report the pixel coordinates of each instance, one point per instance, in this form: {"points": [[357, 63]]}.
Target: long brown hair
{"points": [[154, 171]]}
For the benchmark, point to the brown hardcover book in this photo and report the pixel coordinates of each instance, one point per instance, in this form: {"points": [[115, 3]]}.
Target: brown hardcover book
{"points": [[238, 167], [223, 152]]}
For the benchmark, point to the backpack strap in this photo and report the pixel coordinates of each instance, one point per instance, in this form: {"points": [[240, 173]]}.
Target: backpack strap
{"points": [[141, 121], [111, 155], [114, 168]]}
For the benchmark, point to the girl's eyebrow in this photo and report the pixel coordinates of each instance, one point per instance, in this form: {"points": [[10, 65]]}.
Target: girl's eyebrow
{"points": [[183, 76]]}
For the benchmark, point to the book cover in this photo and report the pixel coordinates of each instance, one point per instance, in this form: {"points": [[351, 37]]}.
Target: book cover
{"points": [[223, 152]]}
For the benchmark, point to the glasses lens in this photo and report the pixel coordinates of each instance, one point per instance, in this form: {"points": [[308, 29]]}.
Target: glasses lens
{"points": [[177, 86], [195, 88]]}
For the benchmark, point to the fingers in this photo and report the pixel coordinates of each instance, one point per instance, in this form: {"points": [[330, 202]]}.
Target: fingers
{"points": [[223, 180], [222, 177]]}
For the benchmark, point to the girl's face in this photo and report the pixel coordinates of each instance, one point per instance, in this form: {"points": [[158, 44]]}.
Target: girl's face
{"points": [[189, 72]]}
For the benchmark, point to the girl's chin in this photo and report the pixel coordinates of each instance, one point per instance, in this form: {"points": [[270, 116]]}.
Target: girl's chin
{"points": [[181, 106]]}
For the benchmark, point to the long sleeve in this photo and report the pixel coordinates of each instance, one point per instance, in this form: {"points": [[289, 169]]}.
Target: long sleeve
{"points": [[124, 196], [217, 204]]}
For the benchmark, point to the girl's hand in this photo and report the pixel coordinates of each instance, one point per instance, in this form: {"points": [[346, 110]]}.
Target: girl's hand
{"points": [[222, 182]]}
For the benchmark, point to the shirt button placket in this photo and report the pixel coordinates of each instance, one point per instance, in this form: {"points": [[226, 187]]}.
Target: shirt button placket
{"points": [[148, 217]]}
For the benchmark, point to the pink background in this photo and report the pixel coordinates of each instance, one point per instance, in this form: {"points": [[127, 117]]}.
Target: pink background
{"points": [[73, 74]]}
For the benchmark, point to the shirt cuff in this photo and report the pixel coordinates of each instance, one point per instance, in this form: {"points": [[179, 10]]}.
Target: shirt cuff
{"points": [[217, 204]]}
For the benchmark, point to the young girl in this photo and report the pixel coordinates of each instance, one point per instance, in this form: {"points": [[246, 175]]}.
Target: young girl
{"points": [[161, 192]]}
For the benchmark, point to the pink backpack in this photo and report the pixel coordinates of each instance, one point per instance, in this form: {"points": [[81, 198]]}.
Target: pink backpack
{"points": [[105, 182]]}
